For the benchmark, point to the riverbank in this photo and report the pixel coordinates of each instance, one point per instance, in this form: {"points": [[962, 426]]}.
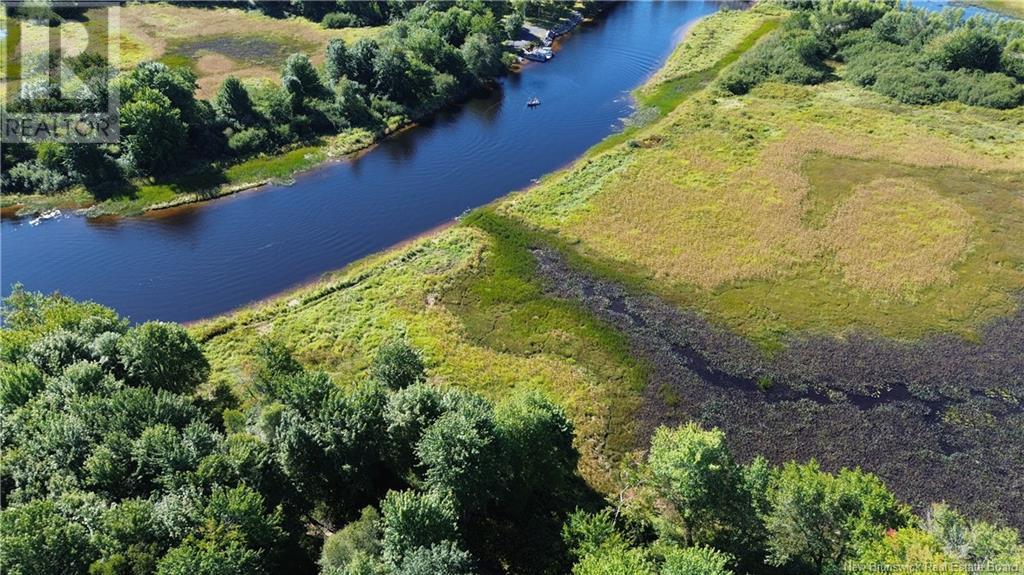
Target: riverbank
{"points": [[1012, 8], [469, 298], [209, 183], [205, 184]]}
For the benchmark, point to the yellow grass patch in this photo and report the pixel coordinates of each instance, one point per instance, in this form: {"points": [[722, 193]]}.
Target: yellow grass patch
{"points": [[229, 39], [720, 205], [897, 236]]}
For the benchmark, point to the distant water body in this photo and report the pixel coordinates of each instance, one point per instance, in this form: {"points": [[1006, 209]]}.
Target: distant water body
{"points": [[210, 258]]}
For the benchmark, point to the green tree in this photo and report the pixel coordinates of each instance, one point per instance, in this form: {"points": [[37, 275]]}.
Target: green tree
{"points": [[411, 520], [537, 454], [409, 412], [163, 356], [352, 102], [233, 102], [301, 81], [969, 48], [815, 519], [392, 74], [512, 24], [696, 561], [154, 131], [444, 558], [218, 551], [483, 57], [358, 543], [36, 538], [398, 364], [362, 55], [693, 470], [459, 452], [337, 61]]}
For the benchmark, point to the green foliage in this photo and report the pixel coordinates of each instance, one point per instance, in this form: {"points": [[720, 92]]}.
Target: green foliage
{"points": [[233, 102], [696, 561], [250, 141], [616, 559], [586, 533], [482, 56], [18, 383], [969, 48], [341, 20], [37, 538], [409, 412], [792, 56], [397, 364], [357, 543], [337, 61], [816, 518], [110, 467], [412, 520], [458, 452], [163, 356], [154, 131], [444, 558], [537, 453], [219, 551], [910, 55], [422, 64], [693, 470]]}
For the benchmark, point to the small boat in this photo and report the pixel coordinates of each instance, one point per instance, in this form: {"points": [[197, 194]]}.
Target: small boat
{"points": [[539, 54], [533, 102]]}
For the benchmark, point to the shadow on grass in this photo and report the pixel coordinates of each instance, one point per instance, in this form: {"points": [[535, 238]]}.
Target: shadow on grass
{"points": [[203, 181]]}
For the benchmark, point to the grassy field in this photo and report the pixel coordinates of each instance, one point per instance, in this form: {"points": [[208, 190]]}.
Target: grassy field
{"points": [[212, 42], [466, 298], [793, 208]]}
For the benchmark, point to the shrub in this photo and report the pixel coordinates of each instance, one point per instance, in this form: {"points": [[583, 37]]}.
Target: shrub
{"points": [[793, 56], [341, 20], [901, 26], [250, 141], [989, 90], [913, 86], [32, 177], [398, 364], [968, 48]]}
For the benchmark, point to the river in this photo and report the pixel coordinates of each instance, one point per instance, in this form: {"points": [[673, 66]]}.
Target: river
{"points": [[210, 258]]}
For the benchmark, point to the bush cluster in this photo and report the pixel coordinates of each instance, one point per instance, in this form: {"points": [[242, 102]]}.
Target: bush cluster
{"points": [[688, 508], [911, 55], [119, 458]]}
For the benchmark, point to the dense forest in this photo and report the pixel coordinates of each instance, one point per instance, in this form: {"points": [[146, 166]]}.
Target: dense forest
{"points": [[120, 458], [430, 55]]}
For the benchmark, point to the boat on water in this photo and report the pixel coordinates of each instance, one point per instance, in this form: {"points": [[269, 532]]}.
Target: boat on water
{"points": [[539, 54], [533, 102]]}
